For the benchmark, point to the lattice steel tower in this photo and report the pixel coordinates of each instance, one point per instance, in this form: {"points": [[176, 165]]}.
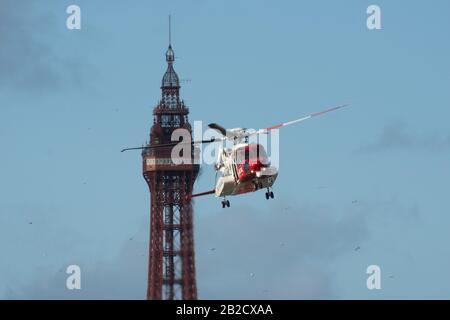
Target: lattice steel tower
{"points": [[171, 273]]}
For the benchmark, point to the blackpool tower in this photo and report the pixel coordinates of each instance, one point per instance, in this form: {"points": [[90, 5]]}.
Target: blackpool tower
{"points": [[171, 271]]}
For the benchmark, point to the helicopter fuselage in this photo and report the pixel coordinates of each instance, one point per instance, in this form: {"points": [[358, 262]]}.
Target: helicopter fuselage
{"points": [[244, 169], [228, 186]]}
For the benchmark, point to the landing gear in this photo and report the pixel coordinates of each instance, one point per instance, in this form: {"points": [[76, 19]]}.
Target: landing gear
{"points": [[269, 194], [225, 203]]}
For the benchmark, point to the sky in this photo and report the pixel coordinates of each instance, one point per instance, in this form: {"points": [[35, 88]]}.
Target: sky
{"points": [[367, 185]]}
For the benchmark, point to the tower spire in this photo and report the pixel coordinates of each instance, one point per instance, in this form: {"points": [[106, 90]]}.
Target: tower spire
{"points": [[170, 78], [170, 32]]}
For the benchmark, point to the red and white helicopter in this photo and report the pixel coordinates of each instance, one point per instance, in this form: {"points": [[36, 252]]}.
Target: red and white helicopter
{"points": [[245, 167]]}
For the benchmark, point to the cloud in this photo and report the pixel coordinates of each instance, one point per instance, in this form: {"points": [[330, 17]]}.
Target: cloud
{"points": [[39, 241], [289, 250], [122, 277], [28, 58], [255, 258], [396, 136], [285, 251]]}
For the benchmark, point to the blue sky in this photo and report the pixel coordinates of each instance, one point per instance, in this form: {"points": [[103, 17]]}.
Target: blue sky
{"points": [[374, 175]]}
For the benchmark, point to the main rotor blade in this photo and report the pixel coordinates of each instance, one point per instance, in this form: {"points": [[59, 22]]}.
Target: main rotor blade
{"points": [[266, 130], [219, 128], [173, 144]]}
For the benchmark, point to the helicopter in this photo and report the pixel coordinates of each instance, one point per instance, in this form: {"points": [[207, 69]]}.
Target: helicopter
{"points": [[245, 167]]}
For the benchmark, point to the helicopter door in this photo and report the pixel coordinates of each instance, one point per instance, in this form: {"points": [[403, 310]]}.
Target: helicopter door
{"points": [[235, 175], [233, 166], [241, 163]]}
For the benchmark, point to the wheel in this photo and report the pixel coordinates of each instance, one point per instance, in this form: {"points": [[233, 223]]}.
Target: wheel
{"points": [[228, 203], [267, 195], [271, 194]]}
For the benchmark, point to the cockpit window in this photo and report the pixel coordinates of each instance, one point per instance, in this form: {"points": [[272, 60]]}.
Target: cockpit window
{"points": [[251, 153]]}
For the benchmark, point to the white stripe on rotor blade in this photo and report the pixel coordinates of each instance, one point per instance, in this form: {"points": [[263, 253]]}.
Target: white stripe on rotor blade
{"points": [[295, 121]]}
